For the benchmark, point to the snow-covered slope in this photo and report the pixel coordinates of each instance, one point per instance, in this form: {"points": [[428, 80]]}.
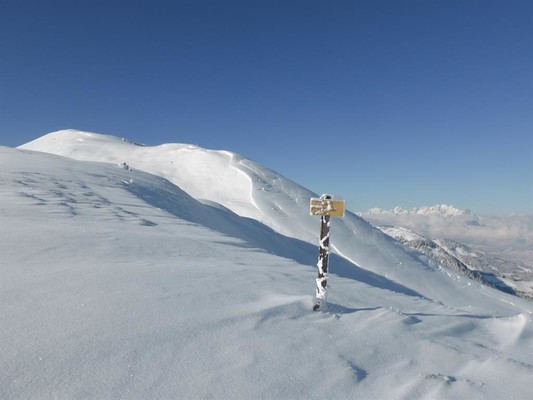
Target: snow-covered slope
{"points": [[256, 192], [515, 275], [119, 284]]}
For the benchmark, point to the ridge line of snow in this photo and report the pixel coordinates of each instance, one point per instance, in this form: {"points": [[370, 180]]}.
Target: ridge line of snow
{"points": [[233, 165]]}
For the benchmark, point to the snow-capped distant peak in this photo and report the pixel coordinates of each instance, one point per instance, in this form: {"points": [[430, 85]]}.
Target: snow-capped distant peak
{"points": [[438, 209], [441, 209]]}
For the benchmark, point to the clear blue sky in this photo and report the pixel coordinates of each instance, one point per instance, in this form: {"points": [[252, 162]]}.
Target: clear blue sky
{"points": [[383, 103]]}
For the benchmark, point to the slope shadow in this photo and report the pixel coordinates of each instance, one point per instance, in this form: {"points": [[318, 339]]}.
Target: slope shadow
{"points": [[170, 198], [471, 316], [492, 280]]}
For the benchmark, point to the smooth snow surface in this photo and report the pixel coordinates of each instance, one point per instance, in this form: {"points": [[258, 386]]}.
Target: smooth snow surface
{"points": [[120, 284]]}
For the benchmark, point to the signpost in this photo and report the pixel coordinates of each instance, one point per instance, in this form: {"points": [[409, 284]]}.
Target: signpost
{"points": [[326, 207]]}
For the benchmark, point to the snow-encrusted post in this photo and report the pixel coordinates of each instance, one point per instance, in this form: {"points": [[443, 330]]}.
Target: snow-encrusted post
{"points": [[322, 264], [326, 208]]}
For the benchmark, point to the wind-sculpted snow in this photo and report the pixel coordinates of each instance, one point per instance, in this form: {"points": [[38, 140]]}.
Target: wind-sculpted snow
{"points": [[119, 284]]}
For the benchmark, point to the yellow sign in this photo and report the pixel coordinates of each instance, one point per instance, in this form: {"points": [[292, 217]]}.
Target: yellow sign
{"points": [[333, 208]]}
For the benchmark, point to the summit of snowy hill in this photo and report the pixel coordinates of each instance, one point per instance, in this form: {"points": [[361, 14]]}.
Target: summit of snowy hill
{"points": [[219, 177], [117, 283]]}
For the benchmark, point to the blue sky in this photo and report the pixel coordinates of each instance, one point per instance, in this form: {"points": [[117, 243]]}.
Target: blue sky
{"points": [[383, 103]]}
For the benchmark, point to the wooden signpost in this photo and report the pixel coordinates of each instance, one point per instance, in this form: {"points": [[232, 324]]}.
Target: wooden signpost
{"points": [[326, 207]]}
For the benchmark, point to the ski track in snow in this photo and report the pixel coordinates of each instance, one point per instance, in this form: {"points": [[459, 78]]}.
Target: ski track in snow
{"points": [[118, 284]]}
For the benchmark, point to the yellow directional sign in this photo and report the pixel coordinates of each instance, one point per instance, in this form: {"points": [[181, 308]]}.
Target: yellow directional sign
{"points": [[333, 208]]}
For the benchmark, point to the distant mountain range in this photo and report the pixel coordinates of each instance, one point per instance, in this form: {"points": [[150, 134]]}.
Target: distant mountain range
{"points": [[439, 209], [495, 251]]}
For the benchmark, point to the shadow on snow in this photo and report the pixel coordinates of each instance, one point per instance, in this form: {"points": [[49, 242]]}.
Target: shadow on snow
{"points": [[172, 199]]}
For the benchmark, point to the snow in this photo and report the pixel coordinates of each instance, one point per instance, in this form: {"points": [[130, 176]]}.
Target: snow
{"points": [[400, 232], [119, 283]]}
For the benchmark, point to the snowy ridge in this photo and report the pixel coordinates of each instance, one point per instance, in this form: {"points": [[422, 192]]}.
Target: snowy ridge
{"points": [[219, 176], [183, 164], [118, 283]]}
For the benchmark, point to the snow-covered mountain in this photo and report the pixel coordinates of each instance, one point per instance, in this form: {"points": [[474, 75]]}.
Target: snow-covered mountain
{"points": [[503, 273], [497, 249], [510, 277], [174, 271], [509, 236], [439, 209]]}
